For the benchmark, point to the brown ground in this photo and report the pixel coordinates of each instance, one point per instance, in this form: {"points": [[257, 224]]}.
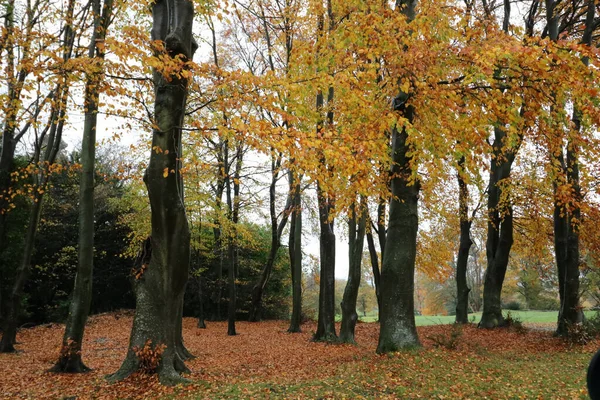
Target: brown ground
{"points": [[259, 352]]}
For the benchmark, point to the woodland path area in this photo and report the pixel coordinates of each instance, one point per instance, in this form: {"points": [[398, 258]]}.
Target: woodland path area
{"points": [[264, 361]]}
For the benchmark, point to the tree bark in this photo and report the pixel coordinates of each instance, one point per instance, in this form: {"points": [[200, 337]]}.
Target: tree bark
{"points": [[326, 319], [163, 276], [462, 289], [295, 252], [500, 219], [70, 356], [397, 314], [568, 217], [375, 267], [201, 316], [356, 230]]}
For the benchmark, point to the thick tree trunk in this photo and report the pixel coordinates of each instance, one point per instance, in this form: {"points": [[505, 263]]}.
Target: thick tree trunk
{"points": [[397, 314], [70, 355], [499, 233], [462, 289], [500, 217], [162, 278], [356, 230], [566, 221], [7, 152], [326, 319], [295, 252]]}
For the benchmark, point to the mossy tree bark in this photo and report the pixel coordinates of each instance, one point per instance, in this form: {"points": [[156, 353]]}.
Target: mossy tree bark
{"points": [[163, 271], [465, 242], [70, 355], [397, 313], [356, 231]]}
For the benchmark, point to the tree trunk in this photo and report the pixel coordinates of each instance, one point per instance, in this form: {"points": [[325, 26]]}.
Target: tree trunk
{"points": [[397, 314], [295, 251], [326, 319], [375, 267], [201, 317], [462, 289], [70, 354], [356, 230], [162, 278], [7, 152], [499, 233], [232, 257], [500, 217], [567, 219]]}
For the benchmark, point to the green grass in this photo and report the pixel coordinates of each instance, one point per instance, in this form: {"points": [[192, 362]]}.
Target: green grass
{"points": [[533, 317], [433, 374]]}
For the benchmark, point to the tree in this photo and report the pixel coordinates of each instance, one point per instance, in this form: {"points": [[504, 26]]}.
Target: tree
{"points": [[70, 354], [164, 259], [356, 232], [46, 149], [397, 318]]}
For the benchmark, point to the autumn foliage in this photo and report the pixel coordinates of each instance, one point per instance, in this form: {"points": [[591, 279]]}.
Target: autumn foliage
{"points": [[264, 361]]}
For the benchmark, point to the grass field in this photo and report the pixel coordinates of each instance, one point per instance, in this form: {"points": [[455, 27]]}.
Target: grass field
{"points": [[527, 317]]}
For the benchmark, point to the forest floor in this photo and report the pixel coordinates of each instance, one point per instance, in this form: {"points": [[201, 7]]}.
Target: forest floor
{"points": [[264, 361]]}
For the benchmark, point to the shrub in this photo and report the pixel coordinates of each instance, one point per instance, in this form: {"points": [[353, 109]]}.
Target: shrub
{"points": [[513, 305], [514, 323], [449, 340], [547, 304]]}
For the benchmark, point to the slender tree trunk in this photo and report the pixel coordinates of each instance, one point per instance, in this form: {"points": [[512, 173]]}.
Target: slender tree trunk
{"points": [[70, 355], [462, 289], [201, 316], [233, 214], [295, 251], [375, 267], [277, 228], [397, 314], [161, 285], [356, 230]]}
